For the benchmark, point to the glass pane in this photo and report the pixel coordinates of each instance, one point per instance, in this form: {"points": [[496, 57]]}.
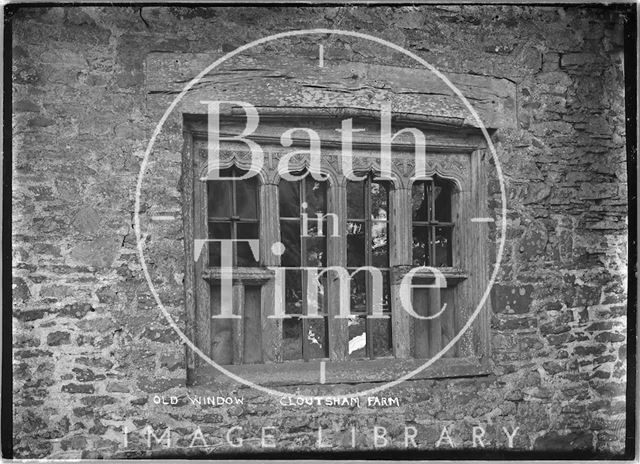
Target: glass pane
{"points": [[247, 198], [316, 229], [381, 337], [358, 300], [292, 339], [379, 244], [317, 338], [443, 247], [316, 251], [420, 246], [357, 337], [442, 193], [289, 197], [355, 200], [315, 196], [219, 201], [217, 230], [293, 292], [355, 244], [321, 286], [290, 238], [247, 230], [419, 201], [386, 295], [379, 201]]}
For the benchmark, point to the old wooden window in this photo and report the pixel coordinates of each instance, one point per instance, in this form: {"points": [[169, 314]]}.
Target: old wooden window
{"points": [[392, 224]]}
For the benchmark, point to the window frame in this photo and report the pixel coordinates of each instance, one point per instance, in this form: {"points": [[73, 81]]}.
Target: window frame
{"points": [[431, 223], [198, 372], [235, 219], [305, 322], [368, 222]]}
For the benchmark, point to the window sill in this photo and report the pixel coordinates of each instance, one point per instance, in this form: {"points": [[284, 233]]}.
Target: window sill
{"points": [[353, 372]]}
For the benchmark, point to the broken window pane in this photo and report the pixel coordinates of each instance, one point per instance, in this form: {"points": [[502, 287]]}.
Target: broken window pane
{"points": [[317, 338], [293, 291], [358, 300], [419, 202], [357, 337], [316, 251], [219, 201]]}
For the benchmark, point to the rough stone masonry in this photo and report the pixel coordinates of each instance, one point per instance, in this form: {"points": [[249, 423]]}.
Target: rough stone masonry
{"points": [[90, 351]]}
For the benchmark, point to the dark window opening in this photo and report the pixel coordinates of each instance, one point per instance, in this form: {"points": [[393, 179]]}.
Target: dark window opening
{"points": [[432, 225], [232, 213]]}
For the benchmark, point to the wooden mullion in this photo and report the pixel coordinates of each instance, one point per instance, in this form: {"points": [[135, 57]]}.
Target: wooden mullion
{"points": [[269, 233], [234, 226], [400, 256], [337, 328], [203, 308], [238, 324], [434, 326]]}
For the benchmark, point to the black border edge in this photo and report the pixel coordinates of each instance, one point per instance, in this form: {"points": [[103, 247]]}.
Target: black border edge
{"points": [[630, 12], [6, 407], [631, 81]]}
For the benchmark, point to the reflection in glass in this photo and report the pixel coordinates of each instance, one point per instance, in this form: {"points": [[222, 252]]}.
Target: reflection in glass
{"points": [[420, 246], [379, 244], [379, 201], [359, 293], [317, 338]]}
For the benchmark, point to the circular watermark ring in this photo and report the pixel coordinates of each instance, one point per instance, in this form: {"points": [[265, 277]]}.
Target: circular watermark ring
{"points": [[195, 80]]}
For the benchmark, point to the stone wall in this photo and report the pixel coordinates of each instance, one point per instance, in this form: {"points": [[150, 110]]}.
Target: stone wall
{"points": [[90, 350]]}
